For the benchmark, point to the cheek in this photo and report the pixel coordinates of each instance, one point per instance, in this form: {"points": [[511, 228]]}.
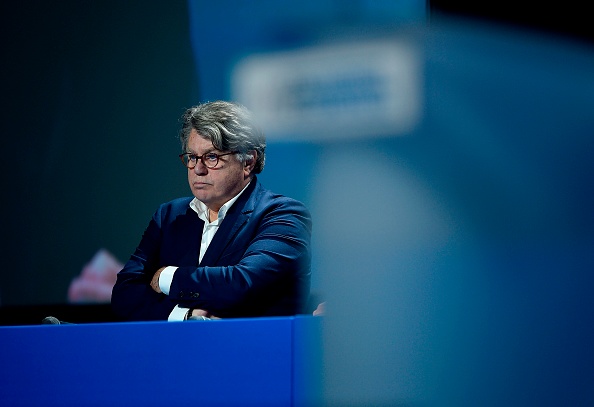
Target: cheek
{"points": [[223, 181]]}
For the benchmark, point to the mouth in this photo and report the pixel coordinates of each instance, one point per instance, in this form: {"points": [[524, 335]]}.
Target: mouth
{"points": [[198, 184]]}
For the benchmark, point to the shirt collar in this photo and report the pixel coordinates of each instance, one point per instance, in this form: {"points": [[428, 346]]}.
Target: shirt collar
{"points": [[202, 211]]}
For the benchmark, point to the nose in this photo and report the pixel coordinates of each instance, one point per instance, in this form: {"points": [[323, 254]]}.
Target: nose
{"points": [[200, 168]]}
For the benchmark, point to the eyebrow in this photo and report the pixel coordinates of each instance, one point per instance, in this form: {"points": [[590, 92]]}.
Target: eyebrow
{"points": [[210, 150]]}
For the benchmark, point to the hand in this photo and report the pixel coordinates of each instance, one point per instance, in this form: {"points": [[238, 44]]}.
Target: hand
{"points": [[155, 281], [202, 313]]}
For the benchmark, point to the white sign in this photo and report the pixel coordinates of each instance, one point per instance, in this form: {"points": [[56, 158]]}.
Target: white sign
{"points": [[350, 90]]}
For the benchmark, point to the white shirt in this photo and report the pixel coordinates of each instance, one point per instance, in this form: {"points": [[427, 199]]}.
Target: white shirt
{"points": [[208, 231]]}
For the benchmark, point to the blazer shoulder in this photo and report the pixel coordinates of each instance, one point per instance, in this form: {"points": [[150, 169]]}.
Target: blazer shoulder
{"points": [[273, 200], [174, 207]]}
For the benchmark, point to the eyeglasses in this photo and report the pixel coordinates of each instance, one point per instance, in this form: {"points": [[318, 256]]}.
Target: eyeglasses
{"points": [[210, 160]]}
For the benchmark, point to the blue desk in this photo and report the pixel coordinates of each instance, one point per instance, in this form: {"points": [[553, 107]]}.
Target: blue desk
{"points": [[246, 362]]}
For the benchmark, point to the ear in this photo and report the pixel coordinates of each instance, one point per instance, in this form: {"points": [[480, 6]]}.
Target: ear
{"points": [[251, 163]]}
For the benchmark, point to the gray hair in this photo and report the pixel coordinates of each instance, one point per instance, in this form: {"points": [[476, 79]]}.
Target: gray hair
{"points": [[229, 126]]}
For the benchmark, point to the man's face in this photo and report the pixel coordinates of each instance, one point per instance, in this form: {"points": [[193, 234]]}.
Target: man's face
{"points": [[215, 186]]}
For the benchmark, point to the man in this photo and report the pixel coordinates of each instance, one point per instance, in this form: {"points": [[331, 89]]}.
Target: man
{"points": [[235, 249]]}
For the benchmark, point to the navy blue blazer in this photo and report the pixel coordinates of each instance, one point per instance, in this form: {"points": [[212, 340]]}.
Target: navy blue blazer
{"points": [[258, 263]]}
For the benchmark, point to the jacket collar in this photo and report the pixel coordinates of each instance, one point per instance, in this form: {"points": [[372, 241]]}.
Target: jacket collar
{"points": [[237, 215]]}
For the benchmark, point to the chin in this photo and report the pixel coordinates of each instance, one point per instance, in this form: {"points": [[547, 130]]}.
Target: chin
{"points": [[201, 197]]}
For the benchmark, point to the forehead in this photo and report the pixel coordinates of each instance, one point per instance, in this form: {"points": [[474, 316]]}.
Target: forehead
{"points": [[198, 144]]}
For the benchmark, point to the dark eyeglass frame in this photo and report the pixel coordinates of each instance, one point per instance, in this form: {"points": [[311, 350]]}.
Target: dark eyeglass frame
{"points": [[188, 158]]}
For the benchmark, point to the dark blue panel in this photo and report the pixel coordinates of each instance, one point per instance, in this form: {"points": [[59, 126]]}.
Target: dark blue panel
{"points": [[232, 362], [307, 361]]}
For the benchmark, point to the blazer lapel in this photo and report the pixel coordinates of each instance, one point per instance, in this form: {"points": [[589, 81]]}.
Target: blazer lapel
{"points": [[234, 220]]}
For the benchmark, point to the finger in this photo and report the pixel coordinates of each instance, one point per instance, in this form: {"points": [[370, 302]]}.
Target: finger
{"points": [[200, 313]]}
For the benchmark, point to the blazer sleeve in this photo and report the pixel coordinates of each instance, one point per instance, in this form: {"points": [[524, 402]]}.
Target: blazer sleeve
{"points": [[132, 297], [267, 262]]}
